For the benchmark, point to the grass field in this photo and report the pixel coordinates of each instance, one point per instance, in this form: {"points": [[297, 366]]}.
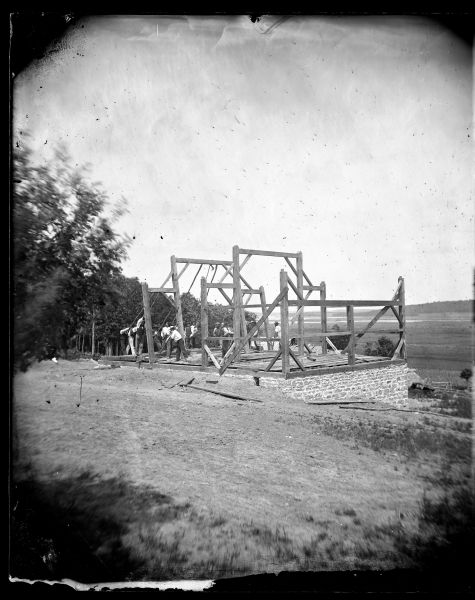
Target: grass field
{"points": [[117, 477], [434, 341]]}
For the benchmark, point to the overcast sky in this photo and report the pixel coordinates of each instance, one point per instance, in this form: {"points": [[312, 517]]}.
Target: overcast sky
{"points": [[349, 139]]}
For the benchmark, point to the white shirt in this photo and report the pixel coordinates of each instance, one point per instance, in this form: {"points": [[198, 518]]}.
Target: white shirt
{"points": [[193, 330], [165, 331], [277, 331], [175, 335]]}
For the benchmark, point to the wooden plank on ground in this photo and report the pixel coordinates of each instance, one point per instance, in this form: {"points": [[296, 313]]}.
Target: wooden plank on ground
{"points": [[223, 393], [343, 402]]}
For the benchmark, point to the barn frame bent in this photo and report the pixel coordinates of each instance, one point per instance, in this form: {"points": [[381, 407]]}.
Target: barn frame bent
{"points": [[287, 361]]}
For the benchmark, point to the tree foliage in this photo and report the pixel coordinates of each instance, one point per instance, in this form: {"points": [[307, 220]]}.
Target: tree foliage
{"points": [[383, 347], [66, 254], [466, 374]]}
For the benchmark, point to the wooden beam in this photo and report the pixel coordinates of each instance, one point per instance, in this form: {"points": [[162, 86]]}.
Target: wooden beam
{"points": [[295, 289], [211, 355], [248, 285], [237, 297], [333, 347], [402, 317], [313, 288], [350, 319], [241, 266], [148, 323], [226, 286], [301, 317], [176, 286], [343, 368], [323, 314], [284, 321], [240, 346], [223, 293], [268, 253], [343, 303], [222, 393], [262, 294], [204, 322], [203, 261], [167, 280], [183, 270], [274, 360], [161, 290], [299, 364]]}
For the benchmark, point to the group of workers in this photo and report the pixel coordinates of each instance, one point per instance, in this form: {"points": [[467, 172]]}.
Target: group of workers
{"points": [[171, 338]]}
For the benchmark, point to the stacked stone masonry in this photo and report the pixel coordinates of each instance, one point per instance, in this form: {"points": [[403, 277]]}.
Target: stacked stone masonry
{"points": [[383, 384]]}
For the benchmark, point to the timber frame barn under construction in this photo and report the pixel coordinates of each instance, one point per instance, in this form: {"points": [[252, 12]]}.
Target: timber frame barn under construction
{"points": [[280, 360]]}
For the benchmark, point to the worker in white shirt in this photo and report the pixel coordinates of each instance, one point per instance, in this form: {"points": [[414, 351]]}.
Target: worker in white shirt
{"points": [[180, 345], [166, 341], [277, 331], [228, 333], [194, 331], [128, 331]]}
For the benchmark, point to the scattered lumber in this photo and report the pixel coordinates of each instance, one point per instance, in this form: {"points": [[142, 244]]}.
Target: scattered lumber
{"points": [[420, 412], [185, 381], [343, 402], [222, 393]]}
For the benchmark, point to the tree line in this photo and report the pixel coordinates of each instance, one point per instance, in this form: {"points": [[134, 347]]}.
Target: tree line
{"points": [[69, 294]]}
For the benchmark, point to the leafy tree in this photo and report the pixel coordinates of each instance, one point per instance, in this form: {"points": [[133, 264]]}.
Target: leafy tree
{"points": [[466, 374], [383, 347], [66, 255], [191, 309]]}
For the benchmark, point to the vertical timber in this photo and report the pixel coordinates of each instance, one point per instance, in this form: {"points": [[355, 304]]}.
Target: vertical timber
{"points": [[204, 322], [176, 293], [237, 298], [262, 295], [323, 314], [148, 323], [402, 318], [284, 324], [350, 321], [301, 318]]}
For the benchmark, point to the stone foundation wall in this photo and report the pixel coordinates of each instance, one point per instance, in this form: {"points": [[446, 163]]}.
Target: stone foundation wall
{"points": [[384, 384]]}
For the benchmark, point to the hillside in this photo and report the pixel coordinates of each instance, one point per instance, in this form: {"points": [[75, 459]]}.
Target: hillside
{"points": [[464, 306]]}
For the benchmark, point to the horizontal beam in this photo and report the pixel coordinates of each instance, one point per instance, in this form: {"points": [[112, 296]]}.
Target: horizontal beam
{"points": [[245, 291], [220, 285], [161, 290], [268, 253], [343, 303], [357, 367], [314, 288], [204, 261]]}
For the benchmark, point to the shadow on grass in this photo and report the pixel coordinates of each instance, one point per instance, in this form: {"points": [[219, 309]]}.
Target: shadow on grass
{"points": [[73, 528]]}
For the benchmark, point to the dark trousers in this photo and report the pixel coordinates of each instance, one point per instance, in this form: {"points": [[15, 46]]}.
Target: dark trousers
{"points": [[180, 347]]}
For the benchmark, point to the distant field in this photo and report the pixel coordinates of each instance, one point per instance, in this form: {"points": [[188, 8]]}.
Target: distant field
{"points": [[434, 340]]}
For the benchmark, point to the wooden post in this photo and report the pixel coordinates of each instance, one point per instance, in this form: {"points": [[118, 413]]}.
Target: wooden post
{"points": [[350, 320], [148, 323], [262, 295], [402, 318], [237, 297], [176, 293], [323, 314], [301, 321], [284, 324], [204, 322]]}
